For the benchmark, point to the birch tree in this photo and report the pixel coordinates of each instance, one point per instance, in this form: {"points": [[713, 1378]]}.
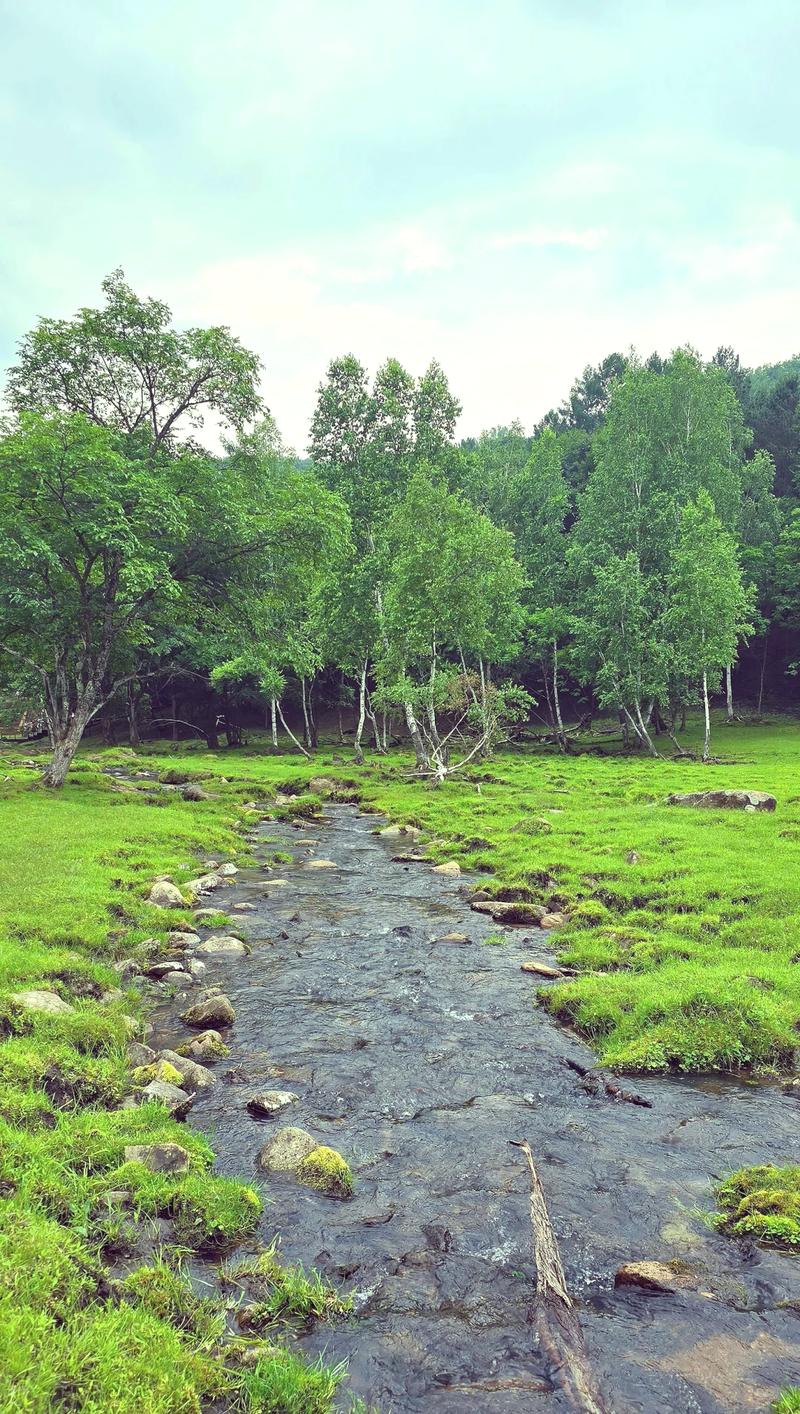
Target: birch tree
{"points": [[709, 607]]}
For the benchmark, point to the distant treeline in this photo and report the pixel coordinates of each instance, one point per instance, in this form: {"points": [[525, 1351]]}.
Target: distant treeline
{"points": [[637, 552]]}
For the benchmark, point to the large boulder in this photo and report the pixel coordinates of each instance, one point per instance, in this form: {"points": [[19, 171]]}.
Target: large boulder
{"points": [[285, 1151], [725, 800], [212, 1011], [194, 792], [166, 895], [207, 1048], [49, 1002], [452, 868]]}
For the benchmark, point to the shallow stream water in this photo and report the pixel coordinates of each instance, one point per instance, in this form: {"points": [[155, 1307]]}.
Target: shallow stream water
{"points": [[419, 1060]]}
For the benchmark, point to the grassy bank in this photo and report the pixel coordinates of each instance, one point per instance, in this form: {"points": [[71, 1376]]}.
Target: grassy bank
{"points": [[683, 929], [75, 870]]}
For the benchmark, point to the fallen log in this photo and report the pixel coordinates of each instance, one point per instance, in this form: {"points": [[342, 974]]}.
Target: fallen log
{"points": [[595, 1080], [555, 1319]]}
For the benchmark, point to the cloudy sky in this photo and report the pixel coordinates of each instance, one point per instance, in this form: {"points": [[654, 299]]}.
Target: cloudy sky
{"points": [[515, 187]]}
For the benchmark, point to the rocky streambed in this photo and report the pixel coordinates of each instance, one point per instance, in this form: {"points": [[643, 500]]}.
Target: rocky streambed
{"points": [[414, 1048]]}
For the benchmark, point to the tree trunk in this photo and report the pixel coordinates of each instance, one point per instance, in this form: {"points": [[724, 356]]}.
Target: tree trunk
{"points": [[274, 721], [306, 721], [107, 729], [290, 733], [729, 692], [311, 718], [420, 749], [362, 712], [707, 717], [65, 744], [132, 709], [562, 739], [763, 671]]}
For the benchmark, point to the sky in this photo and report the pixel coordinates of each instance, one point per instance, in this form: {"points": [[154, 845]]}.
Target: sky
{"points": [[513, 187]]}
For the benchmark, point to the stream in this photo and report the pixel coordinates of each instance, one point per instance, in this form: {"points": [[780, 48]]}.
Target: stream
{"points": [[419, 1060]]}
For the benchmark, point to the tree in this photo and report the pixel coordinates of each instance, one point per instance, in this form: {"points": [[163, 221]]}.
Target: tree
{"points": [[452, 590], [124, 367], [667, 436], [708, 605], [539, 505], [88, 538], [588, 401]]}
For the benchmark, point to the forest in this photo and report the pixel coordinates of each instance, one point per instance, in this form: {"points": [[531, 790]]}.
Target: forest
{"points": [[636, 554], [446, 785]]}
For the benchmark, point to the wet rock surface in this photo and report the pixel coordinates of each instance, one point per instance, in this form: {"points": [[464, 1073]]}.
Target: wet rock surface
{"points": [[420, 1062]]}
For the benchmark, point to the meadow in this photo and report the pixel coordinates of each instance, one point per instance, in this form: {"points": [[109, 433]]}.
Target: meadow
{"points": [[683, 936]]}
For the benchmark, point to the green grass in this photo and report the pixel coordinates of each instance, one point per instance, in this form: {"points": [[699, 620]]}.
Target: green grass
{"points": [[789, 1402], [684, 930], [75, 871], [762, 1202], [281, 1292]]}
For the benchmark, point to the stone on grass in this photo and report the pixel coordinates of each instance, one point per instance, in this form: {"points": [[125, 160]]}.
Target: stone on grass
{"points": [[177, 1101], [212, 1011], [159, 1158], [224, 944], [181, 939], [193, 1076], [325, 1170], [552, 920], [504, 911], [194, 792], [49, 1002], [451, 868], [204, 884], [725, 800], [542, 969], [285, 1151], [271, 1102], [139, 1054], [202, 915], [163, 969], [165, 895], [126, 968]]}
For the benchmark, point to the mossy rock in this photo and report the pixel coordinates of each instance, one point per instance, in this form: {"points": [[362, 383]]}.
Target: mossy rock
{"points": [[325, 1170], [159, 1070]]}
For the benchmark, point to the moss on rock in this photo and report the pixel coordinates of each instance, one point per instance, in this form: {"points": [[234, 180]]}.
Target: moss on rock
{"points": [[325, 1170]]}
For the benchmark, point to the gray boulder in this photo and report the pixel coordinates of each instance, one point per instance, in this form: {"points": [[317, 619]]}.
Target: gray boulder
{"points": [[270, 1102], [165, 895], [172, 1097], [725, 800], [195, 1077], [48, 1002], [224, 944], [285, 1151], [159, 1158], [212, 1011]]}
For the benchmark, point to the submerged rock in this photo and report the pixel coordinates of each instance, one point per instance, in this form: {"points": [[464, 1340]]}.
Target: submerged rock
{"points": [[725, 800], [652, 1276], [285, 1151], [213, 1011], [320, 864], [48, 1002], [270, 1102]]}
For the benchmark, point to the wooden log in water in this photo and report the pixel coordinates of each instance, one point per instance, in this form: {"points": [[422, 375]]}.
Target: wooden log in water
{"points": [[555, 1319], [599, 1079]]}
